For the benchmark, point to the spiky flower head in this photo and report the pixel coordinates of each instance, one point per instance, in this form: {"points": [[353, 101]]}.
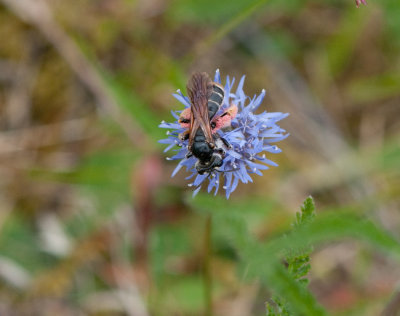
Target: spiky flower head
{"points": [[251, 137]]}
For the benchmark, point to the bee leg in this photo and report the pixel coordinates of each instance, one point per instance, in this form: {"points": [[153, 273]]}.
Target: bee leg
{"points": [[189, 154], [226, 143], [184, 136]]}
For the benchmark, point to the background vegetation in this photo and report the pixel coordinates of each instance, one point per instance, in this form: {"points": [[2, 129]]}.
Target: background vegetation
{"points": [[91, 222]]}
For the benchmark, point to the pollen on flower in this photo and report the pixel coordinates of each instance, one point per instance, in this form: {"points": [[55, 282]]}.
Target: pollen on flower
{"points": [[248, 134]]}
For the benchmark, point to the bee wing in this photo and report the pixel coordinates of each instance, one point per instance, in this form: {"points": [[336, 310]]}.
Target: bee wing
{"points": [[199, 90]]}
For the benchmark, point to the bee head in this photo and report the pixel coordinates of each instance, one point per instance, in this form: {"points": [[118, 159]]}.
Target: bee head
{"points": [[215, 162]]}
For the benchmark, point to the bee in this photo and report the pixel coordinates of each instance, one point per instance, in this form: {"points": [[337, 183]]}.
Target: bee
{"points": [[206, 98]]}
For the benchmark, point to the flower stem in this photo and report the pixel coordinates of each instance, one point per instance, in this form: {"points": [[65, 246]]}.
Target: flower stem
{"points": [[207, 267]]}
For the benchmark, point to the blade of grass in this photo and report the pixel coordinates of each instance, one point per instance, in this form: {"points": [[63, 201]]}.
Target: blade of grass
{"points": [[225, 29]]}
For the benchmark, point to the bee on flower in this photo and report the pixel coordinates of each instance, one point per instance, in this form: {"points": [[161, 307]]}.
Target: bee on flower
{"points": [[218, 138]]}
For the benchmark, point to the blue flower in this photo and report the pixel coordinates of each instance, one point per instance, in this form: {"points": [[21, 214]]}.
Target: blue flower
{"points": [[252, 135]]}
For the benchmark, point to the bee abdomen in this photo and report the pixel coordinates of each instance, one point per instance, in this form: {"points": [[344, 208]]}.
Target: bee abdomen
{"points": [[215, 100]]}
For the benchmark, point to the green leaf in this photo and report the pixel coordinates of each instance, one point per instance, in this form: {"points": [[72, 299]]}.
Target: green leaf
{"points": [[307, 213], [281, 282], [332, 227], [298, 259]]}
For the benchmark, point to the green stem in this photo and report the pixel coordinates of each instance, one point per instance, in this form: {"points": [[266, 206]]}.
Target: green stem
{"points": [[234, 22], [207, 267], [224, 29]]}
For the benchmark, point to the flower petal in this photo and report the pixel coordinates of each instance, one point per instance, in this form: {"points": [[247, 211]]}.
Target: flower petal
{"points": [[217, 77], [181, 98]]}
